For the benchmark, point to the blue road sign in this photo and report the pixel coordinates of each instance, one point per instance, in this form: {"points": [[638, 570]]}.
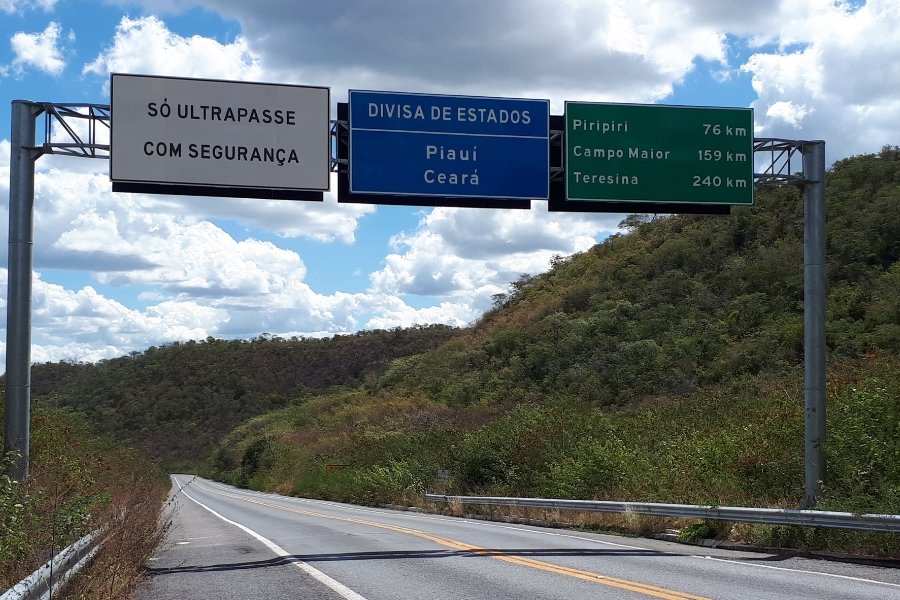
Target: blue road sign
{"points": [[460, 146]]}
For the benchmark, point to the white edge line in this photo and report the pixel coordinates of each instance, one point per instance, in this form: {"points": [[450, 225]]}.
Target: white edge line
{"points": [[318, 575], [835, 575]]}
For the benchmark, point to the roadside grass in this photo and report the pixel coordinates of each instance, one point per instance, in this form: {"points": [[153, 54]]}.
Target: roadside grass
{"points": [[134, 528], [80, 483], [739, 443]]}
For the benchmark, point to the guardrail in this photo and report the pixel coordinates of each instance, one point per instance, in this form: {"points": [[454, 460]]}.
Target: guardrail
{"points": [[47, 580], [770, 516]]}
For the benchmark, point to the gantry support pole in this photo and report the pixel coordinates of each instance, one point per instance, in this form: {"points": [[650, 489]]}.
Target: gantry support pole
{"points": [[17, 430], [814, 283]]}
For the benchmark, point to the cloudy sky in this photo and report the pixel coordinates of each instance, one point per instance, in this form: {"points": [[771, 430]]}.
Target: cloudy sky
{"points": [[120, 272]]}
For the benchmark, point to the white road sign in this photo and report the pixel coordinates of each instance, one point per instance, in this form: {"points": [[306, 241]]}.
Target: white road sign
{"points": [[201, 132]]}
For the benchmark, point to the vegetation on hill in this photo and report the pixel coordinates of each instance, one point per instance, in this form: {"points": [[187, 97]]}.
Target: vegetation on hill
{"points": [[684, 301], [734, 444], [663, 364], [79, 483], [176, 402]]}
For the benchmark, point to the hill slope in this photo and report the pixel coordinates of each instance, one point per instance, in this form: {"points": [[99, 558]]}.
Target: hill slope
{"points": [[684, 301], [176, 402]]}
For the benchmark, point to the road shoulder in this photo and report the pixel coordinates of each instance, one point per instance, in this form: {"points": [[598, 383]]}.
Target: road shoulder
{"points": [[205, 557]]}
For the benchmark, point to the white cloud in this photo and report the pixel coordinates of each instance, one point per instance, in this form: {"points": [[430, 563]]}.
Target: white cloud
{"points": [[536, 48], [4, 168], [325, 221], [395, 313], [38, 50], [145, 45], [84, 325], [468, 255], [17, 6], [195, 279], [87, 326], [835, 75], [788, 112], [82, 225]]}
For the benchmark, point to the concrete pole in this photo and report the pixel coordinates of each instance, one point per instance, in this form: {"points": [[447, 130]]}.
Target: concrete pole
{"points": [[17, 430], [814, 282]]}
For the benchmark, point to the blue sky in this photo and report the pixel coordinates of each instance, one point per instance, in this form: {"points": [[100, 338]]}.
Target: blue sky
{"points": [[116, 273]]}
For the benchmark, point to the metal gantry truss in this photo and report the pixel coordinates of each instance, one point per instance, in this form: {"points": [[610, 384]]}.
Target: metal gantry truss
{"points": [[780, 160], [340, 145], [86, 129]]}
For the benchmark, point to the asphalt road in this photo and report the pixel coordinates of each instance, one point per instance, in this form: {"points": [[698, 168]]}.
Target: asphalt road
{"points": [[229, 543]]}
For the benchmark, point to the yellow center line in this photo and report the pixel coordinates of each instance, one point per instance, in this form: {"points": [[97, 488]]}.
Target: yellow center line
{"points": [[625, 584]]}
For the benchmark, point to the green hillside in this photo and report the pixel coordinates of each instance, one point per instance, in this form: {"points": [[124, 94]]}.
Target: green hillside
{"points": [[175, 402], [684, 301]]}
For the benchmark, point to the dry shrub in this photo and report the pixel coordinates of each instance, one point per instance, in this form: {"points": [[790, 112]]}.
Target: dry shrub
{"points": [[285, 488], [134, 527], [81, 483]]}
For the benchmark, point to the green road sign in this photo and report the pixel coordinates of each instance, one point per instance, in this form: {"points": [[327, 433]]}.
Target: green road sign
{"points": [[655, 153]]}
